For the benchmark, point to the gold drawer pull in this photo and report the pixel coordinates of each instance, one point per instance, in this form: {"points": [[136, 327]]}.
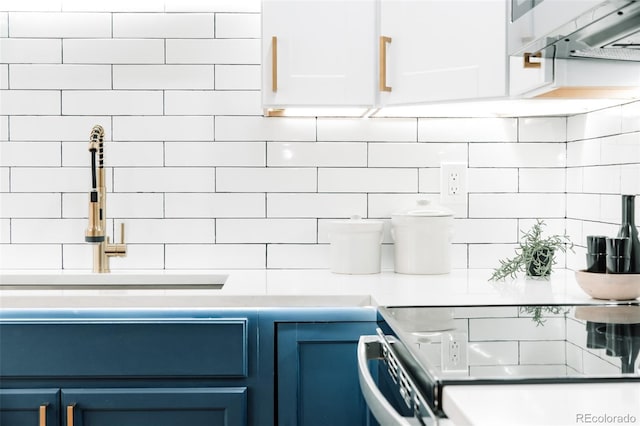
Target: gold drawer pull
{"points": [[43, 415], [274, 64], [527, 60], [383, 63], [70, 415]]}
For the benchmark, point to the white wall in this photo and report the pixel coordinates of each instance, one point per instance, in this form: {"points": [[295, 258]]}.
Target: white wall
{"points": [[203, 180]]}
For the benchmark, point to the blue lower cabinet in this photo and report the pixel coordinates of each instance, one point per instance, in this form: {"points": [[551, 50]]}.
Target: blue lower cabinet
{"points": [[155, 407], [317, 374], [29, 407]]}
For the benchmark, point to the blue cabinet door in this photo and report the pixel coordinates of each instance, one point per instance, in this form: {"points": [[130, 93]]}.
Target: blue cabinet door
{"points": [[29, 407], [317, 374], [225, 406]]}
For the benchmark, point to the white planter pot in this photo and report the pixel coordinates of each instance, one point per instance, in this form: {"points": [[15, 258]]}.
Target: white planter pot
{"points": [[422, 239], [355, 246]]}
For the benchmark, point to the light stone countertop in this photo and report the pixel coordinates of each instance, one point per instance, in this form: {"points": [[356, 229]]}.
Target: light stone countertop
{"points": [[307, 288]]}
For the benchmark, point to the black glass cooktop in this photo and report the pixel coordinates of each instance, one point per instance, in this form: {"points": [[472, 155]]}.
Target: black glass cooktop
{"points": [[517, 344]]}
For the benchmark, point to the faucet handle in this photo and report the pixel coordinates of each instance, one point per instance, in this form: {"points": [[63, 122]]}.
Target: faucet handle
{"points": [[122, 233], [119, 250]]}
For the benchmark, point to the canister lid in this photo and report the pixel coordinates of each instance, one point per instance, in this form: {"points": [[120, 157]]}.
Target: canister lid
{"points": [[425, 208], [356, 224]]}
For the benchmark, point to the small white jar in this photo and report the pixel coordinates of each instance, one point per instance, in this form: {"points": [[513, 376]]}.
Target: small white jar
{"points": [[422, 237], [355, 246]]}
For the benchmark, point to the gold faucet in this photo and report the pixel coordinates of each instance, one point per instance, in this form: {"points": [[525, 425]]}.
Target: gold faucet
{"points": [[95, 233]]}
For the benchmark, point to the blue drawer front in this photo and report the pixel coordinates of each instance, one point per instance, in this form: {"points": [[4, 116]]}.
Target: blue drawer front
{"points": [[203, 348], [21, 407]]}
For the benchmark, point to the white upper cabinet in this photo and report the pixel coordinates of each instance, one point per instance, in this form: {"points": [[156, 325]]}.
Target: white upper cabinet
{"points": [[443, 50], [376, 53], [318, 53]]}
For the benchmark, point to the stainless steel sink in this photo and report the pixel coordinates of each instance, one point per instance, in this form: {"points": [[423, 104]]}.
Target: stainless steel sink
{"points": [[112, 281]]}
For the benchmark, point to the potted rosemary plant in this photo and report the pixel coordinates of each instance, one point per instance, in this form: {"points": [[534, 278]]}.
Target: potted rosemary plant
{"points": [[535, 254]]}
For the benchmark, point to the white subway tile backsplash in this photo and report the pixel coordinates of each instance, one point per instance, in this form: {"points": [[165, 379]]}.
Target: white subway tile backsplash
{"points": [[47, 128], [112, 102], [238, 77], [265, 129], [542, 129], [112, 6], [517, 205], [631, 117], [5, 231], [251, 179], [213, 51], [478, 231], [236, 25], [367, 180], [237, 154], [467, 129], [60, 76], [373, 129], [67, 25], [415, 154], [319, 154], [250, 231], [30, 256], [26, 154], [595, 124], [4, 76], [164, 179], [4, 24], [179, 97], [543, 352], [164, 128], [542, 180], [163, 77], [50, 179], [47, 231], [316, 205], [116, 154], [493, 353], [212, 6], [219, 205], [595, 365], [517, 155], [32, 5], [163, 25], [31, 205], [29, 102], [30, 51], [194, 102], [178, 231], [218, 256], [492, 180], [298, 256], [112, 51]]}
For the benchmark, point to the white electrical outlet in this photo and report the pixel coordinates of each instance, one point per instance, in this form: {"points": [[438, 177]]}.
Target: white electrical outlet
{"points": [[453, 182], [454, 352]]}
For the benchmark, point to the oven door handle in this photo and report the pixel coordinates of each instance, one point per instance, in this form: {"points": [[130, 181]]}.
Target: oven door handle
{"points": [[385, 414]]}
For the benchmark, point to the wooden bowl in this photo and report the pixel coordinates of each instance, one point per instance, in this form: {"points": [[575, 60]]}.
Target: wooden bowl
{"points": [[609, 286]]}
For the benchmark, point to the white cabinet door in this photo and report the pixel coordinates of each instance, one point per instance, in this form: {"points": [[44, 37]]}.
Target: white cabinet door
{"points": [[325, 54], [444, 50]]}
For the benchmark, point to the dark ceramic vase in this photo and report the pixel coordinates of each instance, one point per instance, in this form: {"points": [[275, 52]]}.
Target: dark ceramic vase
{"points": [[542, 259], [629, 230]]}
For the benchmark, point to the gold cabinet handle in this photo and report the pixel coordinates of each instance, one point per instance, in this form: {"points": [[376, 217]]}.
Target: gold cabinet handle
{"points": [[70, 415], [527, 60], [274, 64], [43, 415], [383, 63]]}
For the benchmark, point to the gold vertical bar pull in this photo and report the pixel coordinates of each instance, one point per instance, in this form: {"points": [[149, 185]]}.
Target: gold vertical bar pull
{"points": [[70, 415], [527, 60], [274, 64], [383, 63], [43, 415]]}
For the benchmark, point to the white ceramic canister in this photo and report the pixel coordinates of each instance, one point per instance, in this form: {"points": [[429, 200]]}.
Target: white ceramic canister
{"points": [[355, 245], [422, 237]]}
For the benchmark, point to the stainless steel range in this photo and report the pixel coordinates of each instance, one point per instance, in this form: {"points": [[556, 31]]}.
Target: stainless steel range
{"points": [[425, 349]]}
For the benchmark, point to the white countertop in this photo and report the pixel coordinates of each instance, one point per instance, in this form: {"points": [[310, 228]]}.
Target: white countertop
{"points": [[304, 288], [556, 404]]}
